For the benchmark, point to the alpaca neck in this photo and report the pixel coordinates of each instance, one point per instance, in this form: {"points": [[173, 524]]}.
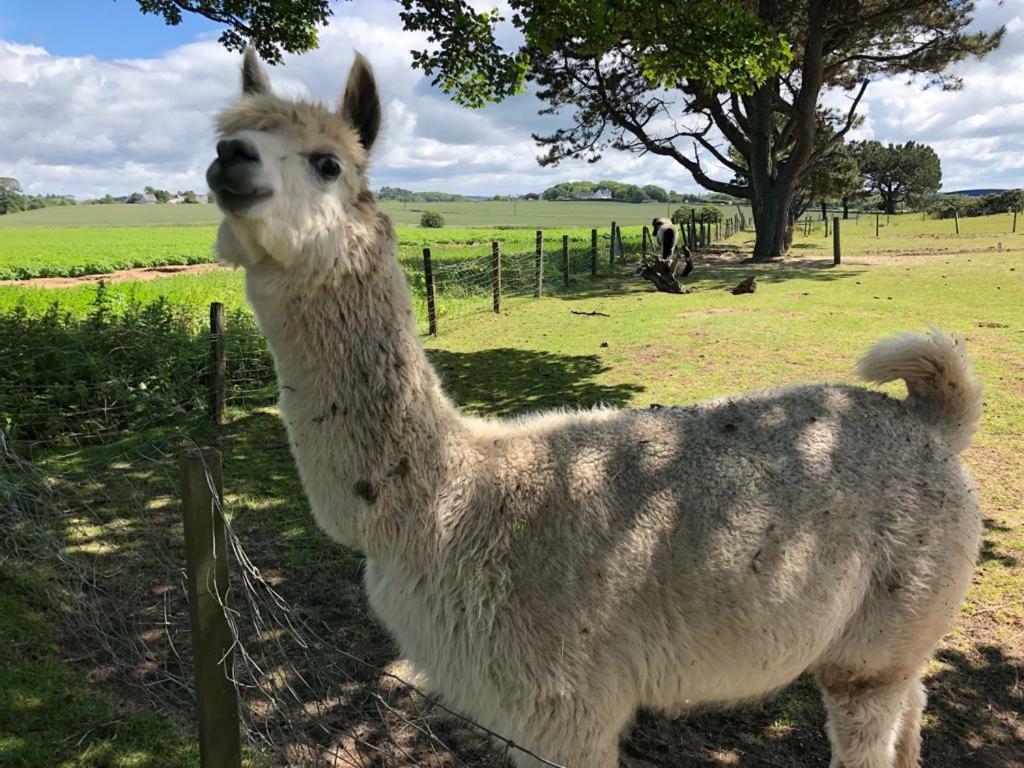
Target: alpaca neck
{"points": [[367, 421]]}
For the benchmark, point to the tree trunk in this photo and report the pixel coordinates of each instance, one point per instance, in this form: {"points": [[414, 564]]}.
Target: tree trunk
{"points": [[772, 222], [846, 208], [824, 211]]}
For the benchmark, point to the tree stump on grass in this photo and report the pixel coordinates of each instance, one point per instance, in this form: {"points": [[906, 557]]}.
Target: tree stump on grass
{"points": [[749, 285], [661, 272]]}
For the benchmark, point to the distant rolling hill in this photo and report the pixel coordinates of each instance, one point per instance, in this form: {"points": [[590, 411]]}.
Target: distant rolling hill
{"points": [[975, 192]]}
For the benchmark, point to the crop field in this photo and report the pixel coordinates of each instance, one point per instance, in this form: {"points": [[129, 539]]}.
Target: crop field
{"points": [[485, 213], [609, 339], [149, 236]]}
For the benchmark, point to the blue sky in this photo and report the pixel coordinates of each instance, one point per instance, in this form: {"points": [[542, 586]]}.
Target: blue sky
{"points": [[98, 98], [108, 29]]}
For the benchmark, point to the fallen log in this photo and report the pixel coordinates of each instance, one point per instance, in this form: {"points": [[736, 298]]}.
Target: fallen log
{"points": [[661, 272]]}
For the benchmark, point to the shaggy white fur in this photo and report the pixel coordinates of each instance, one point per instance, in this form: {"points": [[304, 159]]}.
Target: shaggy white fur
{"points": [[550, 575]]}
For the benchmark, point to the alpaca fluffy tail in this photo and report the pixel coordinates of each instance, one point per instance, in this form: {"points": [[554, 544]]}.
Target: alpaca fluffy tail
{"points": [[942, 387]]}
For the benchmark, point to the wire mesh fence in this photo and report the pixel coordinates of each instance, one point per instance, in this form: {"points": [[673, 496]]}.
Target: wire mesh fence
{"points": [[95, 411]]}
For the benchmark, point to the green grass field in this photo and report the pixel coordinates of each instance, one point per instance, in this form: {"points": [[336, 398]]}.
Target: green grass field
{"points": [[528, 214], [808, 321]]}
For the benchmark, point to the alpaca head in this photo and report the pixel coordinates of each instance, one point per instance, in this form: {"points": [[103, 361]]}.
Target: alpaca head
{"points": [[290, 175]]}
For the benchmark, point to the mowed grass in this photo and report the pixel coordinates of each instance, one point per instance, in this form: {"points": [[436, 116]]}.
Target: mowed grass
{"points": [[114, 215], [808, 321]]}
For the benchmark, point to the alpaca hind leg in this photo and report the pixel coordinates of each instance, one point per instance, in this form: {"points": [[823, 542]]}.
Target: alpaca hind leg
{"points": [[868, 715]]}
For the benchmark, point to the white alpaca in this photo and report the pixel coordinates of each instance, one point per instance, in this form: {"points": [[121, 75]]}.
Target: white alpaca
{"points": [[550, 575]]}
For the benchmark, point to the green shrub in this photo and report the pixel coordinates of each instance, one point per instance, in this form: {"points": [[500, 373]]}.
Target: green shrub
{"points": [[432, 219], [707, 213], [118, 368]]}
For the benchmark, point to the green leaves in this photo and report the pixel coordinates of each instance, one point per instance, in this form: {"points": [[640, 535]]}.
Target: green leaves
{"points": [[720, 42], [273, 28]]}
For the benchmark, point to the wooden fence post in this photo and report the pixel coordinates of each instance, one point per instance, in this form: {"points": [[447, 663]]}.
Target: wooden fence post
{"points": [[837, 255], [207, 563], [1014, 230], [593, 252], [611, 248], [956, 219], [496, 274], [538, 265], [878, 217], [565, 260], [218, 363], [428, 276]]}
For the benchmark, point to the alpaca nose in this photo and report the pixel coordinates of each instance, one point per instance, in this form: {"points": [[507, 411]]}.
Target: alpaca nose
{"points": [[236, 176], [232, 151]]}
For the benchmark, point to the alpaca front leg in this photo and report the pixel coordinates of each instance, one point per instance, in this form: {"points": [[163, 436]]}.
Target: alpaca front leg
{"points": [[579, 756], [575, 739]]}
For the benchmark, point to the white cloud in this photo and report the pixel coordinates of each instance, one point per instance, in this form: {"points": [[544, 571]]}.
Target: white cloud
{"points": [[89, 126]]}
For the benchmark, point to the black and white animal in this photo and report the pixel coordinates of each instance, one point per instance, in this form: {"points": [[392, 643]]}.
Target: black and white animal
{"points": [[667, 235]]}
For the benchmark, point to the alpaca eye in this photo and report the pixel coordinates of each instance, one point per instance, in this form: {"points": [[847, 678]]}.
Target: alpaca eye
{"points": [[327, 167]]}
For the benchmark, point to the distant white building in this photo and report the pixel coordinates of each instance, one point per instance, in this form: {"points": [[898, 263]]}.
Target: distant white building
{"points": [[600, 194]]}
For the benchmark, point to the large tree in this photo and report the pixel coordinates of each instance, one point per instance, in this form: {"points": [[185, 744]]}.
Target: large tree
{"points": [[11, 199], [630, 75], [899, 173], [674, 78]]}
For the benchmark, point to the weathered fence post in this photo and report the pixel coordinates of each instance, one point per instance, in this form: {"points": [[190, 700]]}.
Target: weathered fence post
{"points": [[218, 363], [878, 218], [1014, 230], [565, 260], [837, 255], [496, 274], [956, 219], [206, 559], [538, 265], [611, 248], [593, 252], [428, 277]]}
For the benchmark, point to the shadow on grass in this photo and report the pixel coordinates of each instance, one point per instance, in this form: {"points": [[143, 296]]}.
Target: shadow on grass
{"points": [[506, 382], [973, 719], [714, 271]]}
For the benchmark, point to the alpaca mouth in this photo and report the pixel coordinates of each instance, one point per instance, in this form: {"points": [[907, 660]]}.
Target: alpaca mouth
{"points": [[239, 202], [234, 188]]}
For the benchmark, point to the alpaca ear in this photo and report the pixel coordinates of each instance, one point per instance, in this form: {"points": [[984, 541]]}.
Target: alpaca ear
{"points": [[254, 78], [361, 103]]}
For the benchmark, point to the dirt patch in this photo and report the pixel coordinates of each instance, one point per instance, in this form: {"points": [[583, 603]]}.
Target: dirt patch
{"points": [[139, 273], [715, 311]]}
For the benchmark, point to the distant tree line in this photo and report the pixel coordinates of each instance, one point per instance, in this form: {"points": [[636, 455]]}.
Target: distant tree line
{"points": [[892, 177], [945, 206], [12, 199], [623, 192], [408, 196]]}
